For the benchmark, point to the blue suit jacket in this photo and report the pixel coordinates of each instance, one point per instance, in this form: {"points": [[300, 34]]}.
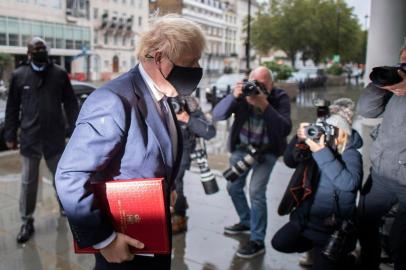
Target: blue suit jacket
{"points": [[119, 134]]}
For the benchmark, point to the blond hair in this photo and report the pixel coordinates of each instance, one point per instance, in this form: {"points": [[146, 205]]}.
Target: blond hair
{"points": [[403, 49], [171, 35], [343, 144]]}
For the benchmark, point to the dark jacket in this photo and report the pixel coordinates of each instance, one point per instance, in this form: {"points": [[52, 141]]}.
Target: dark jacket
{"points": [[388, 151], [276, 117], [340, 176], [35, 104], [198, 126]]}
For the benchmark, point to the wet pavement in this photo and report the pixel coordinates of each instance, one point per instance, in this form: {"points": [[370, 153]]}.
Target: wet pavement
{"points": [[202, 247]]}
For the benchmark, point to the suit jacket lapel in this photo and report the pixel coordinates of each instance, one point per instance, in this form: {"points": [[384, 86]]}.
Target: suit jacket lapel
{"points": [[148, 109]]}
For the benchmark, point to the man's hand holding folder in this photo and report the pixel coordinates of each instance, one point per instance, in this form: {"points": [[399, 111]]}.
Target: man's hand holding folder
{"points": [[118, 251]]}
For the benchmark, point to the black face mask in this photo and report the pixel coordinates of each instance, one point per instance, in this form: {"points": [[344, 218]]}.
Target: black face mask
{"points": [[39, 58], [185, 79]]}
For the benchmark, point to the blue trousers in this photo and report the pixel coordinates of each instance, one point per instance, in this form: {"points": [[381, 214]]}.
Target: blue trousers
{"points": [[255, 216]]}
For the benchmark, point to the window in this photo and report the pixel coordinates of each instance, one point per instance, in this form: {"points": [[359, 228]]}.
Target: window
{"points": [[115, 39], [106, 39], [95, 13], [96, 37], [3, 39], [140, 21], [13, 40], [124, 41]]}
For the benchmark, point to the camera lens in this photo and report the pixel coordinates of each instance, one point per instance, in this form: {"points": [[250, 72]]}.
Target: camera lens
{"points": [[313, 132]]}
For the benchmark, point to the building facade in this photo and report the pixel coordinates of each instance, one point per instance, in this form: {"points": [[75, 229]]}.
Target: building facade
{"points": [[67, 33], [92, 40], [116, 27]]}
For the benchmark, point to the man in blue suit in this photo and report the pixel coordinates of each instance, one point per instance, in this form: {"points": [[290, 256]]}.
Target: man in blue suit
{"points": [[126, 129]]}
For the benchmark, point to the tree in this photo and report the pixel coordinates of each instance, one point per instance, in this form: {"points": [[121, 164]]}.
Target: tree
{"points": [[5, 62], [317, 28]]}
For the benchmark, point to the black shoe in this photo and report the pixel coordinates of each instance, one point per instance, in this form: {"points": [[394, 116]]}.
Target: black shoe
{"points": [[26, 231], [251, 250], [236, 229]]}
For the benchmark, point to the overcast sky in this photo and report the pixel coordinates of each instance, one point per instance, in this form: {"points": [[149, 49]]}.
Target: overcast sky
{"points": [[361, 8]]}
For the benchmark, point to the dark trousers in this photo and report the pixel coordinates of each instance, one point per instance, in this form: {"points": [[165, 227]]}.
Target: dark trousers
{"points": [[180, 203], [379, 195], [161, 262], [29, 183], [290, 239]]}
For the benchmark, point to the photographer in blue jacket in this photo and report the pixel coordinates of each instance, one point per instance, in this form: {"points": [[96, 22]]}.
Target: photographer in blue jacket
{"points": [[323, 188]]}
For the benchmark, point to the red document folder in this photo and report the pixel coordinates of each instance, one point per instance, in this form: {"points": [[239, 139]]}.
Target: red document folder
{"points": [[137, 209]]}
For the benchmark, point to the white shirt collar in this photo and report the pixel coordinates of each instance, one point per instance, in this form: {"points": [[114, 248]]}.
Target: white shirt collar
{"points": [[155, 91]]}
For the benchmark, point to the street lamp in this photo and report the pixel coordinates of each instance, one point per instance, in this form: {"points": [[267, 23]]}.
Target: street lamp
{"points": [[365, 38], [247, 42], [338, 11]]}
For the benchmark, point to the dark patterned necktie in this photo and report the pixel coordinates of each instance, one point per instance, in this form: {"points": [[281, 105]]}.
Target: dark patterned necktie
{"points": [[165, 112]]}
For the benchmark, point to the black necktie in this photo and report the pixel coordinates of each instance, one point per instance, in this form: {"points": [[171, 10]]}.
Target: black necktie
{"points": [[165, 112]]}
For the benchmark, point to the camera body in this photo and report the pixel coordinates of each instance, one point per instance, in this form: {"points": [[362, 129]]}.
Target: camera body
{"points": [[243, 165], [340, 241], [320, 127], [315, 130], [179, 104], [252, 88], [206, 175], [387, 75]]}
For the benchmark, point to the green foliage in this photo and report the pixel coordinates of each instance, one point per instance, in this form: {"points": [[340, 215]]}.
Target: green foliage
{"points": [[5, 62], [335, 69], [317, 28], [281, 71]]}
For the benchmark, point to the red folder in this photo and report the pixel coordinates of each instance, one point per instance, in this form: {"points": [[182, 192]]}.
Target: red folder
{"points": [[137, 209]]}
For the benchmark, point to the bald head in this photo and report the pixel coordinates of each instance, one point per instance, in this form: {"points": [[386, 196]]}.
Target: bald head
{"points": [[262, 75]]}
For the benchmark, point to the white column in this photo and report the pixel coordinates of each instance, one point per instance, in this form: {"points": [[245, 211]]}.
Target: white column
{"points": [[387, 33]]}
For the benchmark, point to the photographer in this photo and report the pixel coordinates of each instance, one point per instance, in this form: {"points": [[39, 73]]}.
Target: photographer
{"points": [[323, 188], [387, 184], [192, 124], [262, 122]]}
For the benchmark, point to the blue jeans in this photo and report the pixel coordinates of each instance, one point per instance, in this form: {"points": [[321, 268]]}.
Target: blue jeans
{"points": [[256, 216]]}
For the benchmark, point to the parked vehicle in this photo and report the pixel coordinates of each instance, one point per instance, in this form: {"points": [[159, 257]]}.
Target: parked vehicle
{"points": [[308, 77], [223, 86], [82, 91]]}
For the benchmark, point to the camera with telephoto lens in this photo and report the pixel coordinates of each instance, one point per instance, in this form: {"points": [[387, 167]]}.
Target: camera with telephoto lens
{"points": [[387, 75], [179, 104], [340, 241], [206, 176], [243, 165], [252, 88]]}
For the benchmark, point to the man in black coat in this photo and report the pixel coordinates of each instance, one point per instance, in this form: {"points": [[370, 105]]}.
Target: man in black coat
{"points": [[38, 88]]}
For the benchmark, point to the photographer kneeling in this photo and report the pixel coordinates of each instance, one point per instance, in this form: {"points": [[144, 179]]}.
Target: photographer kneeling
{"points": [[323, 189], [257, 138]]}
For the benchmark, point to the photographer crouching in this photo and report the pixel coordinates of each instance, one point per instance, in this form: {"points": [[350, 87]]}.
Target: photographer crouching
{"points": [[323, 190], [385, 97], [258, 136], [192, 124]]}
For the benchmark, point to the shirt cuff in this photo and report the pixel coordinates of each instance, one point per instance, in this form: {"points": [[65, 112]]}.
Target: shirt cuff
{"points": [[106, 242]]}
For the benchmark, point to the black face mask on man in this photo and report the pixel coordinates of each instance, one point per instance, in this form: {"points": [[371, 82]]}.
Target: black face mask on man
{"points": [[40, 57], [185, 79]]}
